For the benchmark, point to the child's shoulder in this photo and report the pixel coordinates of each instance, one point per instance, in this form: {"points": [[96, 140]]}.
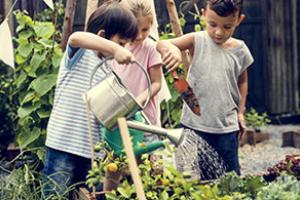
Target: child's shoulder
{"points": [[148, 45], [149, 42], [234, 43]]}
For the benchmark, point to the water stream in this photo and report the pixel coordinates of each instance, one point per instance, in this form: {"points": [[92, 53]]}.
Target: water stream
{"points": [[195, 156]]}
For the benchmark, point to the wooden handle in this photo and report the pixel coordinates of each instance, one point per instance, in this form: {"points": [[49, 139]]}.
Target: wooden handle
{"points": [[134, 170]]}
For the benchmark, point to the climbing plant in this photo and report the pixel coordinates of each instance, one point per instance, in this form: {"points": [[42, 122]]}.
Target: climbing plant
{"points": [[37, 56]]}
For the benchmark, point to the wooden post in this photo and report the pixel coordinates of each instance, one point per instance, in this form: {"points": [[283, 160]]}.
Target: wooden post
{"points": [[282, 64], [134, 170], [7, 6], [68, 22], [176, 27], [90, 8]]}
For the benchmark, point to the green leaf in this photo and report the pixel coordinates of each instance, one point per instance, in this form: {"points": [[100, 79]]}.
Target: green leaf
{"points": [[29, 96], [25, 49], [19, 59], [20, 80], [43, 84], [44, 29], [23, 20], [182, 21], [25, 34], [42, 113], [41, 153], [164, 195], [24, 122], [35, 62], [111, 196], [27, 137], [125, 193], [197, 27], [56, 58], [27, 110], [45, 42]]}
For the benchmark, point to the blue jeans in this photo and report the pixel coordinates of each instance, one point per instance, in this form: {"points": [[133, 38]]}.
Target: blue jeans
{"points": [[226, 145], [62, 170]]}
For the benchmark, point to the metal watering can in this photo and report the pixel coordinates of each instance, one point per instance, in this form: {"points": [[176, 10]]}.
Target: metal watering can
{"points": [[110, 99]]}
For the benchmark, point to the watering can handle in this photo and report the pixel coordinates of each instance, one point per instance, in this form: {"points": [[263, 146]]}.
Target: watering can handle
{"points": [[135, 62]]}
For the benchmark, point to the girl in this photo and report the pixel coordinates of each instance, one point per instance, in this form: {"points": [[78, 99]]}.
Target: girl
{"points": [[68, 149], [144, 51]]}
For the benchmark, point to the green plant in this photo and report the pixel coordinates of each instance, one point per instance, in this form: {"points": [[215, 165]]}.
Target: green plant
{"points": [[285, 187], [56, 17], [160, 179], [26, 183], [37, 57], [231, 184], [255, 120]]}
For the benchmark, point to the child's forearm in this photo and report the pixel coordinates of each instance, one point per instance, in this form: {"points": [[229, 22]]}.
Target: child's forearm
{"points": [[92, 41], [155, 87], [243, 88], [171, 55], [155, 74], [103, 46], [163, 45]]}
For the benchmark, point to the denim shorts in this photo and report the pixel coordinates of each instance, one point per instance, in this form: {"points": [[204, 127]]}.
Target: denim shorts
{"points": [[62, 170], [226, 145]]}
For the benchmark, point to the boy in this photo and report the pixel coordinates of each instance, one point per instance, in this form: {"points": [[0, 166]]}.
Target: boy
{"points": [[218, 76], [68, 149]]}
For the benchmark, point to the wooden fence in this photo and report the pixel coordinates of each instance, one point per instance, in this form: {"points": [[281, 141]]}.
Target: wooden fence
{"points": [[270, 30]]}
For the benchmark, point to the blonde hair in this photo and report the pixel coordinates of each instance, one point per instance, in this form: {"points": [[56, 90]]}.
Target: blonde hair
{"points": [[139, 7]]}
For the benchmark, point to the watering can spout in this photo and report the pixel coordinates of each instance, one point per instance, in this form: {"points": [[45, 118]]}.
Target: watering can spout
{"points": [[174, 135], [141, 149]]}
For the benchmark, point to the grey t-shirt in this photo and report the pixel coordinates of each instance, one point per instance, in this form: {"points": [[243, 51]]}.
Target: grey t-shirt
{"points": [[213, 76]]}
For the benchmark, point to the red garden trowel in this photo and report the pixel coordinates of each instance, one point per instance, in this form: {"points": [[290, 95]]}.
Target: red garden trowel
{"points": [[183, 87]]}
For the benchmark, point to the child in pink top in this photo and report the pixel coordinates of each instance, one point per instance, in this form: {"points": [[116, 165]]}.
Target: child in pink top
{"points": [[144, 51]]}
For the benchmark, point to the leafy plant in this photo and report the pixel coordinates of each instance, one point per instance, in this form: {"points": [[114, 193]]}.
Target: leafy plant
{"points": [[160, 179], [231, 183], [255, 120], [38, 57], [56, 17], [285, 187], [290, 165], [25, 183]]}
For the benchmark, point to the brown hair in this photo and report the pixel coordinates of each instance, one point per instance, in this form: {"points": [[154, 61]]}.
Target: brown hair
{"points": [[225, 8], [114, 19]]}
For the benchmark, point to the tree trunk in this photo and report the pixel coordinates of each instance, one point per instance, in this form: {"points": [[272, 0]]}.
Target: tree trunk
{"points": [[68, 22], [176, 27], [90, 8]]}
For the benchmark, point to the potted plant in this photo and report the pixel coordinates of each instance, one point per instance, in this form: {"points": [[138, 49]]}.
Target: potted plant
{"points": [[255, 122]]}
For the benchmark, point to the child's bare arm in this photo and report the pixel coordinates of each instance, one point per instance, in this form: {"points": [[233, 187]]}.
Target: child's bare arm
{"points": [[92, 41], [171, 50], [243, 88], [155, 74]]}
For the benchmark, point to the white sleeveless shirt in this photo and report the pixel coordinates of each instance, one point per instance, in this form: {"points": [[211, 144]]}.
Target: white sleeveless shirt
{"points": [[213, 76]]}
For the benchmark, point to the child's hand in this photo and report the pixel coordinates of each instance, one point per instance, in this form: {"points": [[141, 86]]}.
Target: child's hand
{"points": [[242, 125], [123, 56], [171, 58]]}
